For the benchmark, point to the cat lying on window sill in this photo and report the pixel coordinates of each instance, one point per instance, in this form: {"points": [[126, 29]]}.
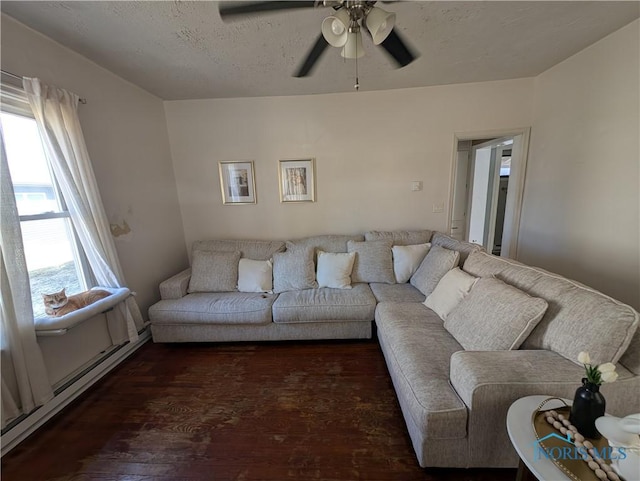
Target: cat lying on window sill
{"points": [[58, 304]]}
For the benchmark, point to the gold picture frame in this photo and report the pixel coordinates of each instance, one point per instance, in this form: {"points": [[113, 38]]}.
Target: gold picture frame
{"points": [[237, 182], [297, 180]]}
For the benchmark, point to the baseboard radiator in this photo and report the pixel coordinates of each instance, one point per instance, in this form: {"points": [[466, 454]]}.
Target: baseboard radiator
{"points": [[68, 391]]}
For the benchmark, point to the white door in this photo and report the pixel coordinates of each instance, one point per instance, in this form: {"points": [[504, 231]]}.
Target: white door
{"points": [[460, 204], [483, 165]]}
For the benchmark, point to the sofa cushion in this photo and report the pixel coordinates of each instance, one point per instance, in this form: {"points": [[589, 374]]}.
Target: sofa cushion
{"points": [[407, 259], [464, 248], [250, 249], [435, 265], [326, 243], [418, 349], [374, 261], [214, 271], [214, 308], [451, 289], [293, 270], [494, 316], [606, 326], [255, 276], [400, 237], [325, 304], [334, 269], [396, 292]]}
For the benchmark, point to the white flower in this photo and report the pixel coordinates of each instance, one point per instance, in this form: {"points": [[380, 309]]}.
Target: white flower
{"points": [[609, 376], [583, 358], [606, 367]]}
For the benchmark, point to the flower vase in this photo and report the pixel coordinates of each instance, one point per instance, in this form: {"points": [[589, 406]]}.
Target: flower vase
{"points": [[588, 405]]}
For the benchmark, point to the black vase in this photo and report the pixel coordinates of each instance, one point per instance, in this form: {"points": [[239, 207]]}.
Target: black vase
{"points": [[588, 405]]}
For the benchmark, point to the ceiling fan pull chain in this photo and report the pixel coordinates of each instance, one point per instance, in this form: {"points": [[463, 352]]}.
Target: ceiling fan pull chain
{"points": [[357, 85]]}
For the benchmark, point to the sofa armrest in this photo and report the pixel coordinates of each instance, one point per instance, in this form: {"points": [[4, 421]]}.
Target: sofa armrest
{"points": [[489, 382], [473, 371], [175, 287]]}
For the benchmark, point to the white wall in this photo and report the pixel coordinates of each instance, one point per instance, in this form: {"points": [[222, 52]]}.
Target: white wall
{"points": [[368, 147], [581, 213], [126, 135]]}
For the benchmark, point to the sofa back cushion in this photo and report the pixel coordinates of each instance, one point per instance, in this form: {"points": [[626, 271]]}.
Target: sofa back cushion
{"points": [[326, 243], [464, 248], [258, 250], [373, 262], [214, 271], [494, 316], [631, 357], [435, 265], [579, 318], [400, 237], [294, 270]]}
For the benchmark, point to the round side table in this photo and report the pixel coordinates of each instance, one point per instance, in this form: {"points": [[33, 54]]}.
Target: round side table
{"points": [[523, 438]]}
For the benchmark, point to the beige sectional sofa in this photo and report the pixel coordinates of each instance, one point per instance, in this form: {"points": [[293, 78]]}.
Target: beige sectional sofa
{"points": [[454, 400]]}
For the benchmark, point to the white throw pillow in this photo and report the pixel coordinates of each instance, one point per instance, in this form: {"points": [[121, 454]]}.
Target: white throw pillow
{"points": [[334, 270], [255, 276], [449, 292], [407, 259]]}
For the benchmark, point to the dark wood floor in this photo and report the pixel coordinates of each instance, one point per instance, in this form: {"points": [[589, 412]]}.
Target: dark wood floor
{"points": [[267, 411]]}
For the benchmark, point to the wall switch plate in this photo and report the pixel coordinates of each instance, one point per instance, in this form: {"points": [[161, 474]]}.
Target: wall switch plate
{"points": [[438, 208], [416, 185]]}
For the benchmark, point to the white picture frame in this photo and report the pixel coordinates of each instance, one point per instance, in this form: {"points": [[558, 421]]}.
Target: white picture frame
{"points": [[237, 182], [297, 180]]}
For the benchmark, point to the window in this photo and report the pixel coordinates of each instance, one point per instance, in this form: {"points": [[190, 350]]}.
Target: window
{"points": [[53, 253]]}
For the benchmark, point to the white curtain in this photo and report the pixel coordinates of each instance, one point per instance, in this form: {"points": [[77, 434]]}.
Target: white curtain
{"points": [[25, 383], [56, 114]]}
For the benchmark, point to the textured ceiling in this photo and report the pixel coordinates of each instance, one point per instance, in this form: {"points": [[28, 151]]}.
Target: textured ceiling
{"points": [[182, 50]]}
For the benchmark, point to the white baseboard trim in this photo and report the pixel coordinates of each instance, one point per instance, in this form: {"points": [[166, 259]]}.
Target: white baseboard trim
{"points": [[37, 418]]}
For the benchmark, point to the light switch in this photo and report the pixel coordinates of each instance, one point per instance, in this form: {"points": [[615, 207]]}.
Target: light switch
{"points": [[416, 185], [438, 208]]}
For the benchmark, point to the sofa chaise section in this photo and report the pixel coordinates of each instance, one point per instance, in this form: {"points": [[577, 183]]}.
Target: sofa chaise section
{"points": [[435, 415]]}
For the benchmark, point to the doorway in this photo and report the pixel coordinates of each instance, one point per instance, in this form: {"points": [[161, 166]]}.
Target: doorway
{"points": [[488, 180]]}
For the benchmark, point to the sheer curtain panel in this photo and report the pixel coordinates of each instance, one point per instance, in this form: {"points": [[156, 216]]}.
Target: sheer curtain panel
{"points": [[56, 114], [25, 383]]}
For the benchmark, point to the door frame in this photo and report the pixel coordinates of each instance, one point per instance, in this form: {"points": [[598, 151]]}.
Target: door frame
{"points": [[516, 179]]}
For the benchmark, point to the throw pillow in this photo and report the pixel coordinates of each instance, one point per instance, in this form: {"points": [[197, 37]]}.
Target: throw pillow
{"points": [[374, 261], [255, 276], [407, 259], [435, 265], [334, 270], [294, 270], [494, 316], [213, 271], [451, 289]]}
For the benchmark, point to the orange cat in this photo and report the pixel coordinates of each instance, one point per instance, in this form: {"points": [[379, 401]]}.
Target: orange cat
{"points": [[58, 304]]}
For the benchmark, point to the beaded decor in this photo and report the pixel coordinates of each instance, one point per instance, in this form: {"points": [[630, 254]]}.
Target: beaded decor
{"points": [[578, 457]]}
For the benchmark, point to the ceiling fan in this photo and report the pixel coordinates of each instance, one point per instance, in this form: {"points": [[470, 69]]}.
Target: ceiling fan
{"points": [[343, 28]]}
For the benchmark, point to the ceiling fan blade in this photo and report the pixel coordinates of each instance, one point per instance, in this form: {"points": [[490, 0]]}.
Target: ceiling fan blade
{"points": [[312, 57], [397, 48], [232, 9]]}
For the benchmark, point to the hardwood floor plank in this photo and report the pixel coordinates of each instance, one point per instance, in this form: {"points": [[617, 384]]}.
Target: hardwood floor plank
{"points": [[246, 412]]}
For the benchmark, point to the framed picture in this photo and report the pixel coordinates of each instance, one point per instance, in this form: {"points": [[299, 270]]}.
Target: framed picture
{"points": [[237, 182], [297, 181]]}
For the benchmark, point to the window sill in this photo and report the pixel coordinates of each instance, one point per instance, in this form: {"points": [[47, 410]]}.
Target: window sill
{"points": [[58, 326]]}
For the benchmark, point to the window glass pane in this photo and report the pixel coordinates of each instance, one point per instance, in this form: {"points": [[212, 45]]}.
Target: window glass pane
{"points": [[28, 165], [51, 259]]}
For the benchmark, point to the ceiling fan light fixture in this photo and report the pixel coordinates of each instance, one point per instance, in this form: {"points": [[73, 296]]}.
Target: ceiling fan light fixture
{"points": [[380, 23], [335, 28], [353, 48]]}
